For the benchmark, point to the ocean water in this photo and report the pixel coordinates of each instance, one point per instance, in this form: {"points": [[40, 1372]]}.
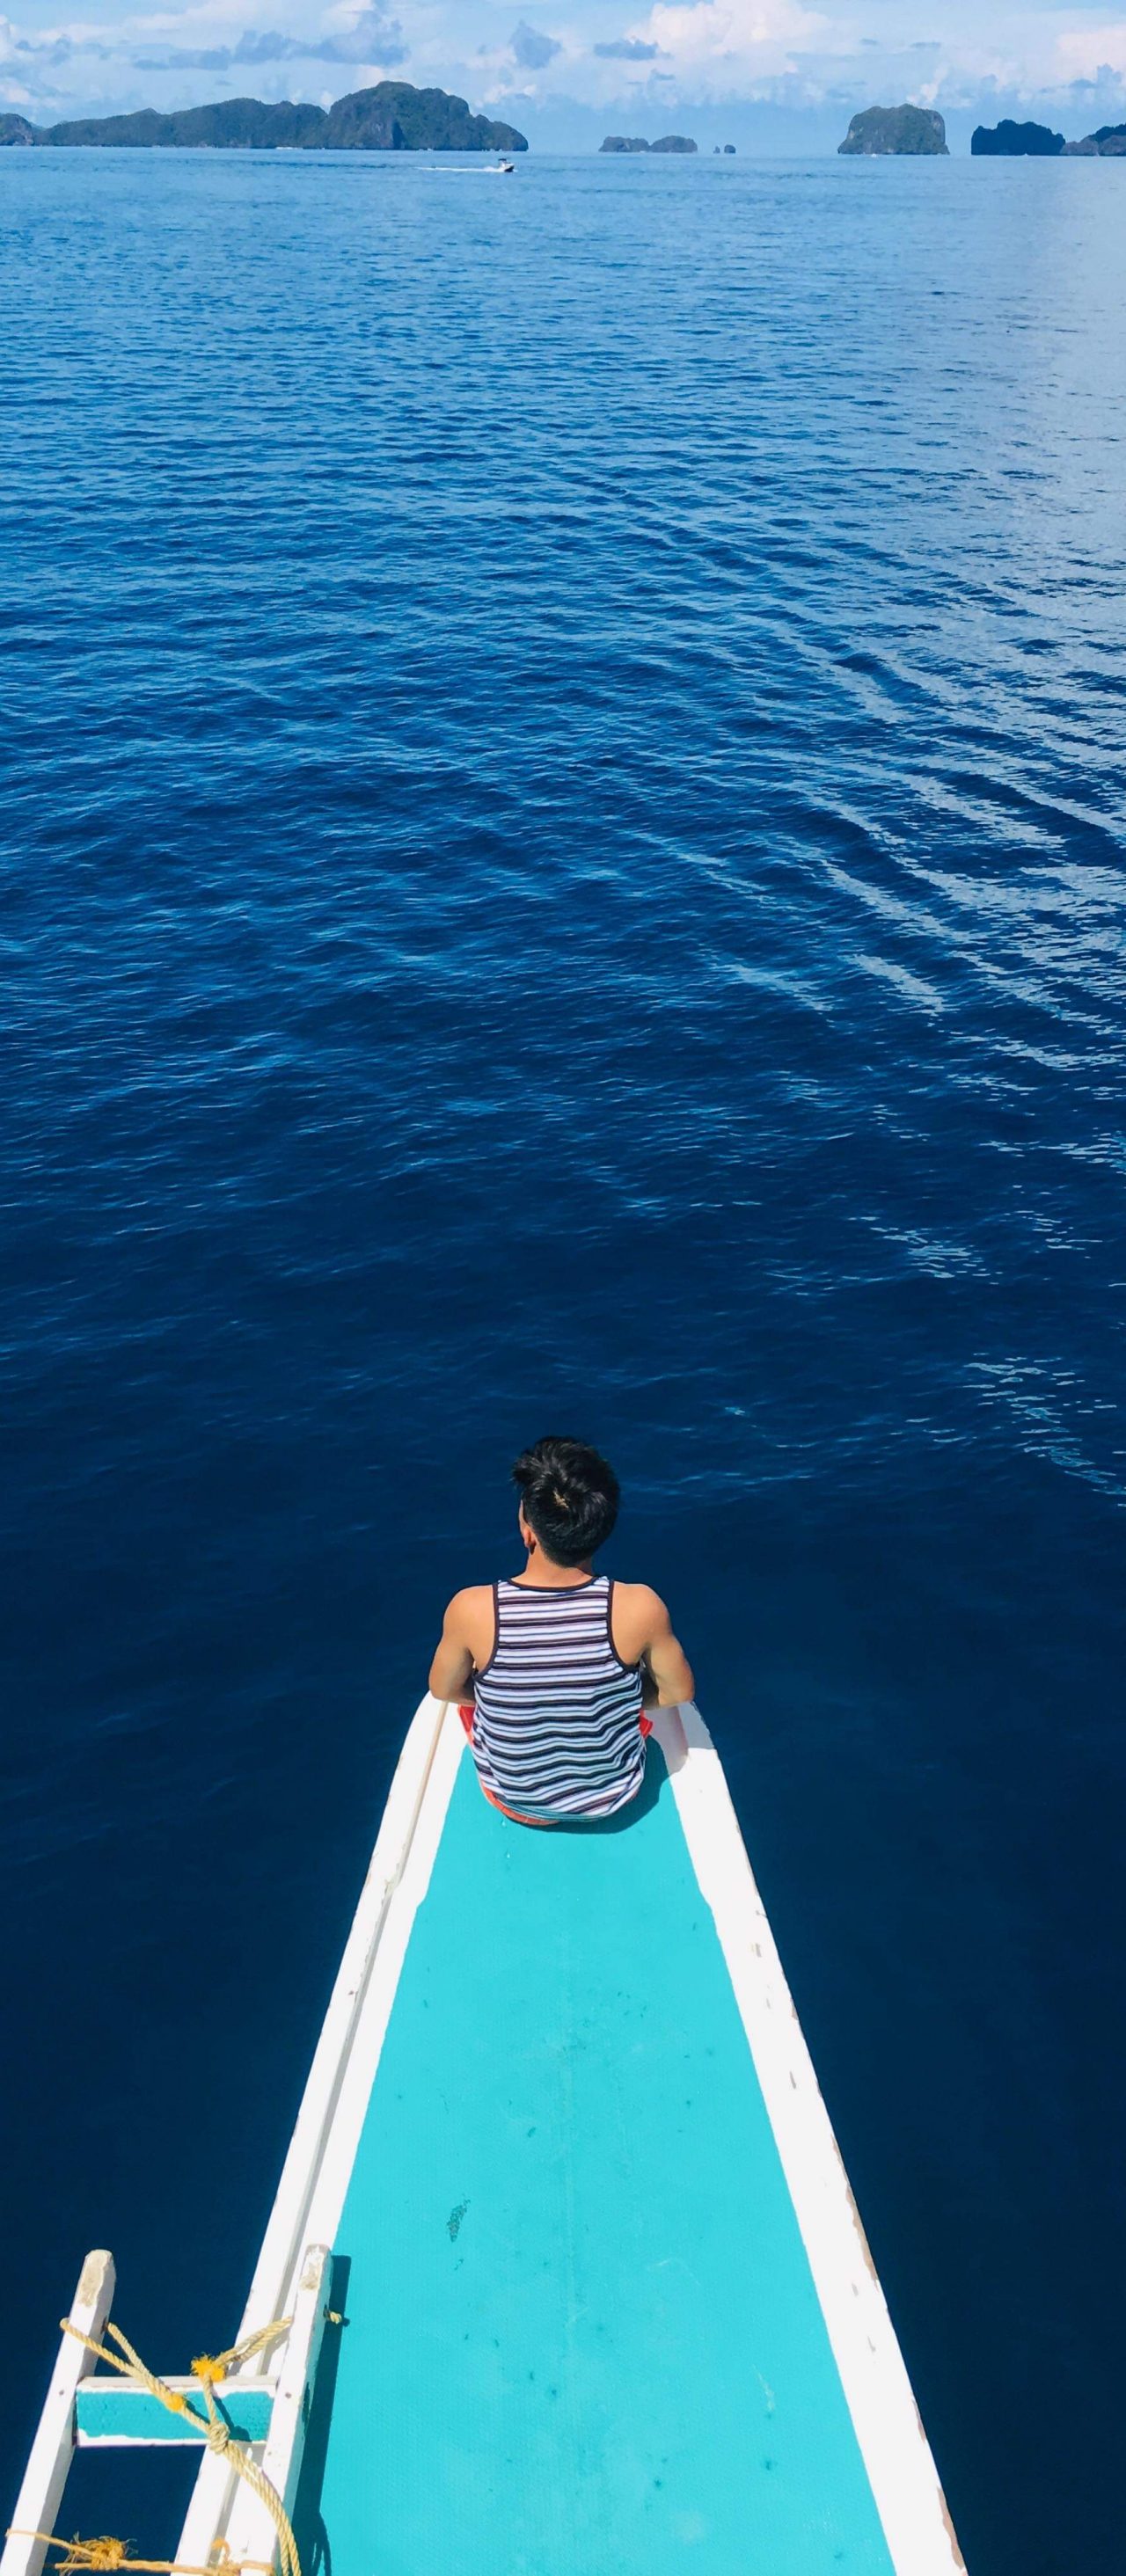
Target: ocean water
{"points": [[564, 818]]}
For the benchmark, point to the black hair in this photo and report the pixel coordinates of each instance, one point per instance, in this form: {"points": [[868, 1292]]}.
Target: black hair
{"points": [[570, 1498]]}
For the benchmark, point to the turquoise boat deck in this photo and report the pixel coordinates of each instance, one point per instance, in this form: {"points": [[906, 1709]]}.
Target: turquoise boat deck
{"points": [[583, 2337]]}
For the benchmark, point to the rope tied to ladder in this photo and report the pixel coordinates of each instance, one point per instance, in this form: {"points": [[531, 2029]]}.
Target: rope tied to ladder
{"points": [[103, 2557], [209, 2369]]}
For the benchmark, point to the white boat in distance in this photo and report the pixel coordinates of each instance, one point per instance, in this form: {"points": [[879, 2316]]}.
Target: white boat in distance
{"points": [[563, 2276]]}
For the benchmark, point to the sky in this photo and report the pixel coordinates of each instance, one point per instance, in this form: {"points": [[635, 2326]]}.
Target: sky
{"points": [[772, 76]]}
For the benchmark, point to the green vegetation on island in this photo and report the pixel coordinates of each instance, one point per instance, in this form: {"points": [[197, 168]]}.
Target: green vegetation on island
{"points": [[637, 143], [392, 117], [896, 129]]}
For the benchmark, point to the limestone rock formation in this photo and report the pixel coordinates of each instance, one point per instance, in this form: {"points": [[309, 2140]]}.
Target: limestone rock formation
{"points": [[637, 143], [896, 129], [395, 117], [392, 117], [15, 129], [231, 124], [1107, 143], [1016, 142]]}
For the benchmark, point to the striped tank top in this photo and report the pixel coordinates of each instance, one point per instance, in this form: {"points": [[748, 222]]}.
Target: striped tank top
{"points": [[557, 1718]]}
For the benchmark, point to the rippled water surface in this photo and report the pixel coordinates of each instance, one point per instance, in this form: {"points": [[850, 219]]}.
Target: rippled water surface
{"points": [[564, 808]]}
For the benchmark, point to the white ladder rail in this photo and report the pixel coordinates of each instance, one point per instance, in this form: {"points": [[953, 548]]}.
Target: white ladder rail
{"points": [[53, 2448], [251, 2533], [222, 2506]]}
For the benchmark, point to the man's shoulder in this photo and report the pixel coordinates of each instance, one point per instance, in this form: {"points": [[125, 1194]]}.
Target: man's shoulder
{"points": [[638, 1596], [470, 1602], [639, 1619]]}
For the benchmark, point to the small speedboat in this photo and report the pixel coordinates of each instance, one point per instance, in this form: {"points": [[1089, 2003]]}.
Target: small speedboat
{"points": [[502, 169], [563, 2273]]}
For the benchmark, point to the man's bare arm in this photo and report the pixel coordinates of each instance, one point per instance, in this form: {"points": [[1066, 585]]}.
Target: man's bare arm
{"points": [[666, 1660], [465, 1644], [643, 1633], [452, 1668]]}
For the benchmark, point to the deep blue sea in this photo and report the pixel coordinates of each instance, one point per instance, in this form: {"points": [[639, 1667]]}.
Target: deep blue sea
{"points": [[565, 829]]}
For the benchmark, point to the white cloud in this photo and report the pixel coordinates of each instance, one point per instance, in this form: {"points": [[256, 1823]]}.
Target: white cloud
{"points": [[710, 37], [1087, 53], [371, 38], [368, 37], [723, 28]]}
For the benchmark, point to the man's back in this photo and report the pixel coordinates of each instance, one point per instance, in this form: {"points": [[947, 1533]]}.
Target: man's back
{"points": [[559, 1661]]}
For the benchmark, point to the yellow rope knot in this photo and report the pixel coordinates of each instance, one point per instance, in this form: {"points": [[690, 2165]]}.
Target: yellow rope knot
{"points": [[79, 2557], [105, 2553], [211, 2367]]}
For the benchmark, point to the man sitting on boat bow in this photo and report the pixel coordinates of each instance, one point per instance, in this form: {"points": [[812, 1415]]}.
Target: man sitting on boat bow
{"points": [[560, 1661]]}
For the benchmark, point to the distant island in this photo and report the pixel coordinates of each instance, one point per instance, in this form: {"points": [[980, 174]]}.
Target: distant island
{"points": [[921, 129], [1107, 143], [1011, 141], [396, 117], [637, 143], [1016, 142], [392, 117], [896, 129]]}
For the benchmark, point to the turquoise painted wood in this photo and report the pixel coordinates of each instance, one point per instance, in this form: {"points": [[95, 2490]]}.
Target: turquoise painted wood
{"points": [[124, 2414], [583, 2338]]}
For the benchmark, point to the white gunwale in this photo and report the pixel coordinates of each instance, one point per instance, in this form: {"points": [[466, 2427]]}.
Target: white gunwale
{"points": [[896, 2453]]}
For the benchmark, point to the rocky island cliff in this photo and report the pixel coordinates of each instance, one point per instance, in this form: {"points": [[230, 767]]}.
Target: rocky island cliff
{"points": [[392, 117], [896, 129], [637, 143], [1011, 141], [879, 130], [1107, 143]]}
